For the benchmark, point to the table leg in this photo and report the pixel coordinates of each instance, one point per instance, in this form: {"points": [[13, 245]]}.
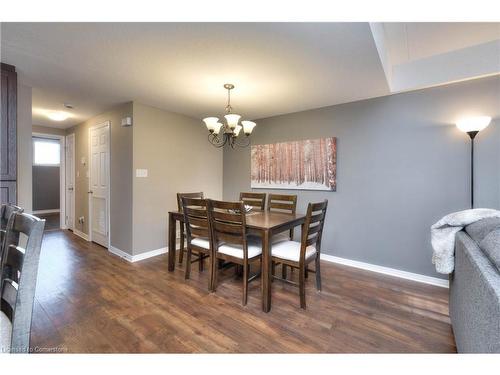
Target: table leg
{"points": [[266, 271], [171, 242]]}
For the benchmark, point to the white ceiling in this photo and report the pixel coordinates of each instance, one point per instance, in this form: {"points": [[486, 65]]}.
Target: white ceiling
{"points": [[277, 67], [418, 40]]}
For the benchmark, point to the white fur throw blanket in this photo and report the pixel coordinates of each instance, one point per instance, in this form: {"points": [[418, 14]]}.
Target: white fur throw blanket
{"points": [[444, 231]]}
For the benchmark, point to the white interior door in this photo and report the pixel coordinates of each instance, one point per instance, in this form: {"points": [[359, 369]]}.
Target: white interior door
{"points": [[70, 182], [99, 184]]}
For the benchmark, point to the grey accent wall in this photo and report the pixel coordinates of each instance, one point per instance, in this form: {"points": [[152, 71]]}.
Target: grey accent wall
{"points": [[174, 150], [46, 186], [120, 175], [402, 165]]}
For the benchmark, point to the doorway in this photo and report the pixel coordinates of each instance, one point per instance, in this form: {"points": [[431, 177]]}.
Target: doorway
{"points": [[70, 182], [48, 179], [99, 182]]}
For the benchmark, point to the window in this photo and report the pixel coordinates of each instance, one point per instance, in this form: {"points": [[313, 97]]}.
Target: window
{"points": [[46, 151]]}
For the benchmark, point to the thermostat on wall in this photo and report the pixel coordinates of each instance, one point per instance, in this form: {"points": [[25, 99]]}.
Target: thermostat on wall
{"points": [[127, 121]]}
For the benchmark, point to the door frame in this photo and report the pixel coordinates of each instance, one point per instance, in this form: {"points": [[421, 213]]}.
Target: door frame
{"points": [[72, 203], [108, 216], [62, 172]]}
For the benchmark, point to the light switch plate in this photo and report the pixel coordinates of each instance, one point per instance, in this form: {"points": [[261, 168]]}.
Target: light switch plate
{"points": [[141, 173]]}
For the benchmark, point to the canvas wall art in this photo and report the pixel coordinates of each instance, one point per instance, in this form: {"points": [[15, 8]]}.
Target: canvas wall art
{"points": [[304, 165]]}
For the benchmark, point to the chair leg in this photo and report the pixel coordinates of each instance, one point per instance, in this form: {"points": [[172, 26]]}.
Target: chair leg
{"points": [[181, 251], [318, 273], [307, 273], [273, 271], [201, 262], [210, 273], [245, 283], [302, 286], [188, 264], [283, 271], [216, 273]]}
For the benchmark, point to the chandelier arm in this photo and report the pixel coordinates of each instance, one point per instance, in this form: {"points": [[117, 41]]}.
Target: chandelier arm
{"points": [[241, 142], [217, 141]]}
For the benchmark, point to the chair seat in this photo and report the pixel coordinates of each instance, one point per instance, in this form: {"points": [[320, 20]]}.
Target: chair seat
{"points": [[5, 333], [274, 239], [285, 236], [201, 242], [254, 249], [290, 250]]}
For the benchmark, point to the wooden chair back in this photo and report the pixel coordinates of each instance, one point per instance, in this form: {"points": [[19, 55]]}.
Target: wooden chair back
{"points": [[196, 218], [6, 210], [198, 195], [282, 203], [256, 200], [18, 276], [313, 227], [228, 224]]}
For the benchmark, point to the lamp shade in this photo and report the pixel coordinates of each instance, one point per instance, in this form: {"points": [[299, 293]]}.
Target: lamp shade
{"points": [[473, 124], [237, 130], [211, 122], [248, 127], [217, 127], [232, 120]]}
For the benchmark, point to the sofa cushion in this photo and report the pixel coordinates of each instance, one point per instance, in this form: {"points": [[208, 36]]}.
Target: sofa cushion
{"points": [[490, 245], [480, 229]]}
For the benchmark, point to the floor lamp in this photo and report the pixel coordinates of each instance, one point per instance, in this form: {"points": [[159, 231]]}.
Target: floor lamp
{"points": [[472, 126]]}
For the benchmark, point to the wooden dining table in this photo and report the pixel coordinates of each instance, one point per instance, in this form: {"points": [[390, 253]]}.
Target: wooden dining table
{"points": [[265, 224]]}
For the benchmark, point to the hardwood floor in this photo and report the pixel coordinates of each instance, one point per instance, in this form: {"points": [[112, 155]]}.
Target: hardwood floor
{"points": [[52, 221], [88, 300]]}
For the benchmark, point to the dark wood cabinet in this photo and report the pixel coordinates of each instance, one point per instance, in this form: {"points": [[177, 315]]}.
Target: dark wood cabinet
{"points": [[8, 134]]}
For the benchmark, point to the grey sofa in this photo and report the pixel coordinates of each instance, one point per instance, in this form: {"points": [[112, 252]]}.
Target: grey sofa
{"points": [[475, 288]]}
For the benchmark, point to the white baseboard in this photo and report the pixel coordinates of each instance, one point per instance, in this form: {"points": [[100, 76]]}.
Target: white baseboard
{"points": [[54, 211], [85, 236], [121, 253], [138, 257], [386, 271]]}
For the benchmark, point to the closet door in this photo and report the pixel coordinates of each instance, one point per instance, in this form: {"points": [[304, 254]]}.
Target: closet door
{"points": [[8, 138]]}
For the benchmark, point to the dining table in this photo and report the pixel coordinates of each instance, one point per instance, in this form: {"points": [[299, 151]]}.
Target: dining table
{"points": [[264, 224]]}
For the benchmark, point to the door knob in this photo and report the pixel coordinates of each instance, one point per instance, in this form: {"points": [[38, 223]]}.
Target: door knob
{"points": [[90, 192], [70, 188]]}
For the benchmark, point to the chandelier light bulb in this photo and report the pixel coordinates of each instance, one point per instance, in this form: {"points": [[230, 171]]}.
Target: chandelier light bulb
{"points": [[248, 127], [211, 122], [232, 120], [237, 130], [218, 127]]}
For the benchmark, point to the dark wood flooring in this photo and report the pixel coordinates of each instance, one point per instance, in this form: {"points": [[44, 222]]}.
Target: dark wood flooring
{"points": [[52, 221], [88, 300]]}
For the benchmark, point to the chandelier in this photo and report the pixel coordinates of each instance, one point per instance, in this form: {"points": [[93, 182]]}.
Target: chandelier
{"points": [[221, 134]]}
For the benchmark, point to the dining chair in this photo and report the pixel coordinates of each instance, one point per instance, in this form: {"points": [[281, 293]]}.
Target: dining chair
{"points": [[6, 210], [228, 225], [198, 195], [282, 203], [18, 281], [256, 200], [300, 254], [199, 235]]}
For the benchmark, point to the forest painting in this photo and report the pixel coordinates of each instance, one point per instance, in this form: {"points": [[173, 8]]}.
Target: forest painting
{"points": [[307, 165]]}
